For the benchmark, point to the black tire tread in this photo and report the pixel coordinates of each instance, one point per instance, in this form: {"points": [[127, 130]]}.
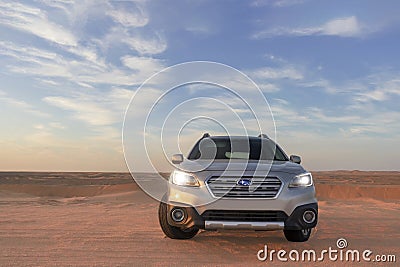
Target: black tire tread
{"points": [[172, 231], [296, 235]]}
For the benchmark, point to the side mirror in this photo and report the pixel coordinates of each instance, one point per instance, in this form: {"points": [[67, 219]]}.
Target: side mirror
{"points": [[177, 158], [295, 159]]}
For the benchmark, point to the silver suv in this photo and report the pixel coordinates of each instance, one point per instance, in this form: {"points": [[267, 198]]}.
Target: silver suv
{"points": [[238, 182]]}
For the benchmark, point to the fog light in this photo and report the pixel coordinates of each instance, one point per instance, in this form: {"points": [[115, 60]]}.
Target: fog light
{"points": [[309, 216], [178, 215]]}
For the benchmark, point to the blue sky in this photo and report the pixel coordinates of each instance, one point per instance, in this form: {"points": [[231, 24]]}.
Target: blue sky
{"points": [[329, 69]]}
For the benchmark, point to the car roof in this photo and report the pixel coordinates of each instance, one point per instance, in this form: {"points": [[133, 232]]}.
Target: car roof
{"points": [[237, 137]]}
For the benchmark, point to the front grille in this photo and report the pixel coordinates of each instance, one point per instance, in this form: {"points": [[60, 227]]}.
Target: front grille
{"points": [[228, 187], [245, 215]]}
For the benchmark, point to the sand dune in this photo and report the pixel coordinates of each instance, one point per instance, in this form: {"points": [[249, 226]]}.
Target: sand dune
{"points": [[357, 184], [329, 185], [68, 190], [324, 191], [73, 220]]}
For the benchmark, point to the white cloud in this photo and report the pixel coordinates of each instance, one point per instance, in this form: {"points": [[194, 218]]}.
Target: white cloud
{"points": [[86, 111], [375, 95], [127, 15], [360, 111], [155, 44], [346, 27], [200, 29], [318, 115], [34, 21], [343, 27], [274, 58], [129, 18], [268, 87], [57, 125], [346, 122], [49, 126], [325, 85], [145, 65], [64, 5], [47, 82], [95, 109], [360, 130], [286, 72], [382, 91], [39, 127], [86, 52], [21, 105], [287, 116], [270, 79], [50, 67], [277, 3], [90, 69], [35, 61], [25, 53]]}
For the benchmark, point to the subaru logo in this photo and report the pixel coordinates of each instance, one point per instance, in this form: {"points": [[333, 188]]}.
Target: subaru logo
{"points": [[244, 182]]}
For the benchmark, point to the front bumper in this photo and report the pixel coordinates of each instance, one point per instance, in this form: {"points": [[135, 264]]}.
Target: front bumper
{"points": [[280, 221], [200, 198], [197, 201], [261, 226]]}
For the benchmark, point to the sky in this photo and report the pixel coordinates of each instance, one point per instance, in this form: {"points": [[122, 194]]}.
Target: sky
{"points": [[330, 71]]}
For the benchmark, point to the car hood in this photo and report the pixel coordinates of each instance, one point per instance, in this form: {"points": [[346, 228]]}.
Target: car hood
{"points": [[238, 165]]}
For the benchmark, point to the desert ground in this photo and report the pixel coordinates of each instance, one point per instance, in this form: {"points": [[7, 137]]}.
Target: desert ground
{"points": [[104, 219]]}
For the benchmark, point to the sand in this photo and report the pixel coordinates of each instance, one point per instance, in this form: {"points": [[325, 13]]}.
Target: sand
{"points": [[105, 220]]}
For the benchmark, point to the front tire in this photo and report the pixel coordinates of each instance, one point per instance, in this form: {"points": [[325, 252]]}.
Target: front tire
{"points": [[297, 235], [173, 231]]}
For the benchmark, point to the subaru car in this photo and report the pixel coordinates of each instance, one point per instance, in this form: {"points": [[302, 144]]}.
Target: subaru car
{"points": [[238, 182]]}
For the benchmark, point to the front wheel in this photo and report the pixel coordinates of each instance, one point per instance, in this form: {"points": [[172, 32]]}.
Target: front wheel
{"points": [[297, 235], [173, 231]]}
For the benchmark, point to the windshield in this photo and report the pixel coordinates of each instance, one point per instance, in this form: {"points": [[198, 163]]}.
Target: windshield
{"points": [[240, 148]]}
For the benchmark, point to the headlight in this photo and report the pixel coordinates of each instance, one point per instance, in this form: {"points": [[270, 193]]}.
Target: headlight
{"points": [[183, 178], [302, 180]]}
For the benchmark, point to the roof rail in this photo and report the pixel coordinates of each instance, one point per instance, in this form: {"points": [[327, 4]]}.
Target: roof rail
{"points": [[263, 136]]}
